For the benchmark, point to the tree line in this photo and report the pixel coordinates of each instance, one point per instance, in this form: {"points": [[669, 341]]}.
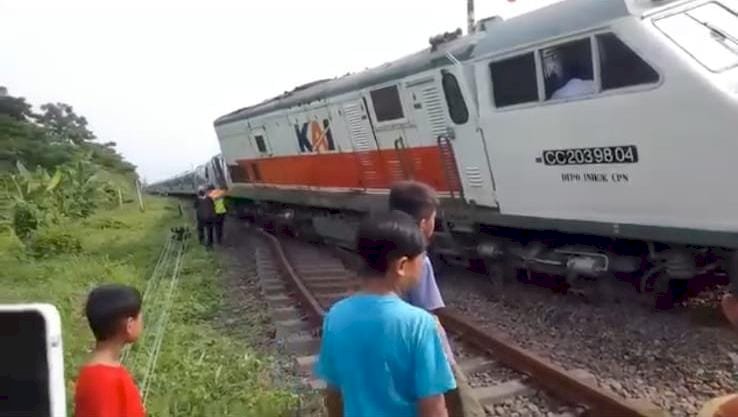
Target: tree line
{"points": [[54, 169], [54, 136]]}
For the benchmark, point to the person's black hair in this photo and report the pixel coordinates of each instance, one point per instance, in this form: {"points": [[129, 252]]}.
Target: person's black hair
{"points": [[414, 198], [385, 238], [211, 187], [108, 305]]}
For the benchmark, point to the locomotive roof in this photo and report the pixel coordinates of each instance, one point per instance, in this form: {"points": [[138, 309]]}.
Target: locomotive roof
{"points": [[568, 16], [426, 59], [556, 20]]}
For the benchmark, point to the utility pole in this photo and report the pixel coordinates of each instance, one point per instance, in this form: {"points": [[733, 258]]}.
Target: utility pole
{"points": [[470, 16], [140, 196]]}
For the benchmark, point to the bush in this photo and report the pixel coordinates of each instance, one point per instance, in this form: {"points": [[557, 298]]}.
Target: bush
{"points": [[26, 219], [50, 242], [10, 244]]}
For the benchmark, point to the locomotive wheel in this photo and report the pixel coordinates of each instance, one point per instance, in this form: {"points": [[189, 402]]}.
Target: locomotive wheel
{"points": [[594, 290], [501, 274], [657, 291], [606, 289], [613, 289]]}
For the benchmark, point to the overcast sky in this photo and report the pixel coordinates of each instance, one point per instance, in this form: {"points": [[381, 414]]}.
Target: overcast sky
{"points": [[152, 75]]}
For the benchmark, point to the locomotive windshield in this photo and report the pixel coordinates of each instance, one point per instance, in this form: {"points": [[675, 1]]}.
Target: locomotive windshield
{"points": [[709, 33]]}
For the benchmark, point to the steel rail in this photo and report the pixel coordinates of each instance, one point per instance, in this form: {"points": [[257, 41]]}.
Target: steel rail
{"points": [[547, 375], [312, 307]]}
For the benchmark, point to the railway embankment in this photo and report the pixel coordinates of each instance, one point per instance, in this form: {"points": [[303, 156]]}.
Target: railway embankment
{"points": [[209, 360]]}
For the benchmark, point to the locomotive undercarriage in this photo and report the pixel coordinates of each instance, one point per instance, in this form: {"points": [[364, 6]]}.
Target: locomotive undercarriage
{"points": [[599, 268]]}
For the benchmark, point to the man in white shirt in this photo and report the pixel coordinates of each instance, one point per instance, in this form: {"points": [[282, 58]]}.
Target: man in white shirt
{"points": [[575, 87]]}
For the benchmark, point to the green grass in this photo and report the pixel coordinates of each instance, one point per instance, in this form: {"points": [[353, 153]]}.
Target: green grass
{"points": [[201, 372]]}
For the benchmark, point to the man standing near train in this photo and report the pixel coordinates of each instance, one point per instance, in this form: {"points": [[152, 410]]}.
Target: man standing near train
{"points": [[218, 197], [419, 201], [205, 215]]}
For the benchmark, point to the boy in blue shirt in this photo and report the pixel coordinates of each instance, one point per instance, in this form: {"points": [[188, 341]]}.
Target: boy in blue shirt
{"points": [[379, 355], [419, 201]]}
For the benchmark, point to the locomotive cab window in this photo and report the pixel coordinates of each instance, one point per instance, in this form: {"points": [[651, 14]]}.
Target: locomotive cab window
{"points": [[260, 143], [387, 104], [567, 70], [514, 80], [620, 66], [454, 98]]}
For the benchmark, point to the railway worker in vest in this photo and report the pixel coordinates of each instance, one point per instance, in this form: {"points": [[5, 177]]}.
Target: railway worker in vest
{"points": [[205, 214], [419, 201], [380, 356], [218, 197], [725, 406]]}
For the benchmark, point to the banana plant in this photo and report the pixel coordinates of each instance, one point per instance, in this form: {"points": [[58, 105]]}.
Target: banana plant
{"points": [[33, 199], [39, 198], [34, 186]]}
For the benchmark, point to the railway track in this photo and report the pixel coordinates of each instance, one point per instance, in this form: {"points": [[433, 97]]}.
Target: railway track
{"points": [[301, 281]]}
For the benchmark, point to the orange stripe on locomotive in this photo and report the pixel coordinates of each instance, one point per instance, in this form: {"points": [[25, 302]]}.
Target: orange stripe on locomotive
{"points": [[353, 170]]}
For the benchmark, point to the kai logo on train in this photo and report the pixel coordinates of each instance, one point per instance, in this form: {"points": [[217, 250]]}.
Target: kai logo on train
{"points": [[314, 137]]}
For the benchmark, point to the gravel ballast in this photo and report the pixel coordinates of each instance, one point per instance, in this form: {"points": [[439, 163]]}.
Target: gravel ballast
{"points": [[663, 357]]}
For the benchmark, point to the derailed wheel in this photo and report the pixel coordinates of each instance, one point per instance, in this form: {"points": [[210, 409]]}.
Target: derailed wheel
{"points": [[606, 289], [656, 289], [501, 272]]}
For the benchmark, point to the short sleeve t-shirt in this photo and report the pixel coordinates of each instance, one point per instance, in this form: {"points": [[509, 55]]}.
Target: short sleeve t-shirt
{"points": [[427, 296], [106, 391], [383, 355]]}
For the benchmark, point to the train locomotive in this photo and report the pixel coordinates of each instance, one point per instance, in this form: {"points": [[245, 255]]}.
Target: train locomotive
{"points": [[588, 139]]}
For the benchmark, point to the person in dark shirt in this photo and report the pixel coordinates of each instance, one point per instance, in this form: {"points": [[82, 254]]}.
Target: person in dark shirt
{"points": [[205, 214]]}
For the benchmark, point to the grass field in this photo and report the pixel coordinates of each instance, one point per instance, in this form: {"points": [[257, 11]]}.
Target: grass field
{"points": [[201, 372]]}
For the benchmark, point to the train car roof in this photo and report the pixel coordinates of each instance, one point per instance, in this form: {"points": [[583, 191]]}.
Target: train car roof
{"points": [[559, 19]]}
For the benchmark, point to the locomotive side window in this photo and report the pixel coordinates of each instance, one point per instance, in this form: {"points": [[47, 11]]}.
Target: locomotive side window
{"points": [[260, 143], [514, 80], [454, 99], [620, 66], [567, 70], [387, 103], [709, 33]]}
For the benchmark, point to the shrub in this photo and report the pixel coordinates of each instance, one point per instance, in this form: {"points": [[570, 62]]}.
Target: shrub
{"points": [[26, 219], [10, 244], [53, 241]]}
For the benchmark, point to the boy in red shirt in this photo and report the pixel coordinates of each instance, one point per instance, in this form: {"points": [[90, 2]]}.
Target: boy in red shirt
{"points": [[104, 387]]}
